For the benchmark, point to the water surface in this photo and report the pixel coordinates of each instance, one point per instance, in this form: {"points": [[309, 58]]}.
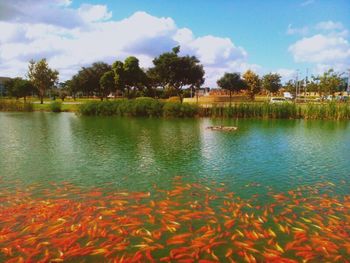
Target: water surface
{"points": [[136, 189]]}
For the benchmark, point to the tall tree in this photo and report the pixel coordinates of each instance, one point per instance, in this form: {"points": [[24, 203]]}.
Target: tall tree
{"points": [[42, 77], [231, 82], [107, 83], [134, 77], [172, 70], [330, 82], [119, 76], [89, 78], [253, 83], [272, 82]]}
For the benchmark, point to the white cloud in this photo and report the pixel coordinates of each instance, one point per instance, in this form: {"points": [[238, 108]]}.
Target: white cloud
{"points": [[307, 2], [327, 48], [320, 49], [91, 35], [286, 74], [297, 31], [93, 13], [329, 25]]}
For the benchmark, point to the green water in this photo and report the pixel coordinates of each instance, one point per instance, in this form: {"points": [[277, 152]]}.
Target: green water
{"points": [[93, 189], [136, 153]]}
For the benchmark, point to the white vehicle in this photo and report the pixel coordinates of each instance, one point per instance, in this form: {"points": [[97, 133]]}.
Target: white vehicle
{"points": [[288, 95], [278, 100]]}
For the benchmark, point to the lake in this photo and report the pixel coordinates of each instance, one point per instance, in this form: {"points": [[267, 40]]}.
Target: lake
{"points": [[98, 189]]}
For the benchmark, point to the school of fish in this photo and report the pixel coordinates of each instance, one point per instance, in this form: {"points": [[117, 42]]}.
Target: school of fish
{"points": [[189, 222]]}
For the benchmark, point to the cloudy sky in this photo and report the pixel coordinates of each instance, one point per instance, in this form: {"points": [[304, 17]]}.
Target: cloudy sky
{"points": [[226, 35]]}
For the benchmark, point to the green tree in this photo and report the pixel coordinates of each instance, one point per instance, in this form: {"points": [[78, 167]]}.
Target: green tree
{"points": [[330, 82], [272, 82], [107, 84], [134, 77], [232, 82], [289, 86], [253, 83], [174, 71], [119, 76], [19, 88], [42, 77], [88, 78]]}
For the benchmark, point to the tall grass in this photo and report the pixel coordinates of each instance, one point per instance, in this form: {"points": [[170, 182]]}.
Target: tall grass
{"points": [[9, 105], [140, 107], [330, 111], [149, 107]]}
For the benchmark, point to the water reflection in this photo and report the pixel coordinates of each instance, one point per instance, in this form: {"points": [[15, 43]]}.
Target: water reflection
{"points": [[135, 153]]}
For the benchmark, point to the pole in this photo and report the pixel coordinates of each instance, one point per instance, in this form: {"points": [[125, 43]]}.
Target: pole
{"points": [[306, 82], [348, 88], [296, 85]]}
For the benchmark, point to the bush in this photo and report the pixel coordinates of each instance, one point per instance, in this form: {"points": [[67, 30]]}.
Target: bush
{"points": [[177, 109], [56, 106]]}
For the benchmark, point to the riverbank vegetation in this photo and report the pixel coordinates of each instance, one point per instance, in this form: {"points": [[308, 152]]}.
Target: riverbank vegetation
{"points": [[14, 105], [148, 107]]}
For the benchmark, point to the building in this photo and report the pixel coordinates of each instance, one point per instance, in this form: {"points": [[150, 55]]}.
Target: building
{"points": [[2, 86]]}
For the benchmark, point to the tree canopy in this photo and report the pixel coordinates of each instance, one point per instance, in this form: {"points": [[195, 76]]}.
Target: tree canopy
{"points": [[19, 87], [172, 70], [42, 77], [272, 82], [253, 83], [231, 82]]}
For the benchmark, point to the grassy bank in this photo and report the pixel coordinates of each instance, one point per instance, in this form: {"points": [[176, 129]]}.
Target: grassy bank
{"points": [[148, 107], [13, 105]]}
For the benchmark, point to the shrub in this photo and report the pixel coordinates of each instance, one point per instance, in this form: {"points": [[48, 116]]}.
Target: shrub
{"points": [[56, 106]]}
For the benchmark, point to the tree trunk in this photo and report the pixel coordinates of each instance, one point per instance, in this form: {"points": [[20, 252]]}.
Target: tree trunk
{"points": [[25, 99], [41, 99], [230, 98]]}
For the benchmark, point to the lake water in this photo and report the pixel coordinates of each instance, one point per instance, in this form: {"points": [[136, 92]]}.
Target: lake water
{"points": [[273, 190]]}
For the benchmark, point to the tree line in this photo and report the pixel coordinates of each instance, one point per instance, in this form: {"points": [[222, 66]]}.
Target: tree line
{"points": [[170, 74]]}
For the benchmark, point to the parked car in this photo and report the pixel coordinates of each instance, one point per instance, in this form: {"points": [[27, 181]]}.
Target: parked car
{"points": [[278, 100], [288, 95]]}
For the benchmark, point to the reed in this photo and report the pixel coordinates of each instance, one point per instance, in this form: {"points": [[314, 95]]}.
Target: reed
{"points": [[148, 107], [10, 105]]}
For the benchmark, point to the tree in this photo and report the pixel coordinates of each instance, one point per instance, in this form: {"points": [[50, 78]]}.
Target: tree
{"points": [[119, 76], [19, 87], [42, 77], [173, 71], [134, 77], [289, 86], [272, 82], [107, 83], [88, 78], [330, 82], [253, 83], [232, 82]]}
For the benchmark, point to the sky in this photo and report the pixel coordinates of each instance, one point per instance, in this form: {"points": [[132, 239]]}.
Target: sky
{"points": [[288, 37]]}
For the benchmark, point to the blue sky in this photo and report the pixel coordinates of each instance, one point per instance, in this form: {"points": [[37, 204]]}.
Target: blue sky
{"points": [[227, 35]]}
